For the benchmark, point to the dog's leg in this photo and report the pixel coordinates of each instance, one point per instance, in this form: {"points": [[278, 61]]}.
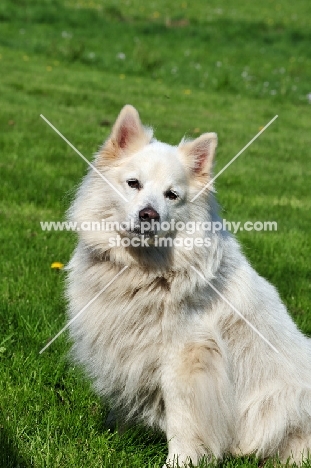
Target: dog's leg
{"points": [[276, 422], [296, 449], [198, 402]]}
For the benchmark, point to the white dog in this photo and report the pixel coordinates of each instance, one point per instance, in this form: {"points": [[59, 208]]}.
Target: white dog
{"points": [[164, 331]]}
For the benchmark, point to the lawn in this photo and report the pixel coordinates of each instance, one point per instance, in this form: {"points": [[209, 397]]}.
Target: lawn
{"points": [[224, 66]]}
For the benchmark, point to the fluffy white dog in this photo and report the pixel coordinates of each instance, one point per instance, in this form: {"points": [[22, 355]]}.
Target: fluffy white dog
{"points": [[162, 333]]}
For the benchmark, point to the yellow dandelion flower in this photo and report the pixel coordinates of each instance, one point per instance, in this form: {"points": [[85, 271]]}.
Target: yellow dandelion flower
{"points": [[57, 265], [187, 91]]}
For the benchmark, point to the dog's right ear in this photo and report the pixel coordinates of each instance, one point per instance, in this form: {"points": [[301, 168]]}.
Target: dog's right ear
{"points": [[128, 135]]}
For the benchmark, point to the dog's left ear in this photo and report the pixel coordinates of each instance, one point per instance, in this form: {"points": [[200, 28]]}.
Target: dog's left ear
{"points": [[198, 154]]}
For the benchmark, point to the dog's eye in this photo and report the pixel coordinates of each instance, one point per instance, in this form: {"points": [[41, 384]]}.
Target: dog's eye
{"points": [[170, 195], [134, 183]]}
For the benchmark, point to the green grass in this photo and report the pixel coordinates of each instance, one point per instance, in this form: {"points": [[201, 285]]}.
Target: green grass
{"points": [[191, 67]]}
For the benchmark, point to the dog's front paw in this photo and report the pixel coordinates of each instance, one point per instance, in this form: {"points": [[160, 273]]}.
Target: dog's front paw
{"points": [[180, 461]]}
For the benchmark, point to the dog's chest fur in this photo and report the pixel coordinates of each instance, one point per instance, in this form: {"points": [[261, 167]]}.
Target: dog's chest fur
{"points": [[130, 331]]}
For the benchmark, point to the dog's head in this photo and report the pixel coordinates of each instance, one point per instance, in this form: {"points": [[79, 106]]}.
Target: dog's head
{"points": [[147, 184]]}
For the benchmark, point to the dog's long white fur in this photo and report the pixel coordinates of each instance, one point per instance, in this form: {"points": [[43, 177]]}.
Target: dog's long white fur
{"points": [[160, 344]]}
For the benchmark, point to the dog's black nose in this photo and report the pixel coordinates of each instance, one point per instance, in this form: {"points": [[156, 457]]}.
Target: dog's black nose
{"points": [[148, 213]]}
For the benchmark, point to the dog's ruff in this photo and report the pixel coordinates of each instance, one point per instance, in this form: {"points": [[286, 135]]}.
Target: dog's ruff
{"points": [[160, 344]]}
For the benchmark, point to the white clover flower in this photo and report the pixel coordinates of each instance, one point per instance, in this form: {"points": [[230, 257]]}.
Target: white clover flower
{"points": [[66, 35]]}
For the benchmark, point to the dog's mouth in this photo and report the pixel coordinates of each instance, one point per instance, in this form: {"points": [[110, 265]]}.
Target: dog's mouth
{"points": [[138, 231]]}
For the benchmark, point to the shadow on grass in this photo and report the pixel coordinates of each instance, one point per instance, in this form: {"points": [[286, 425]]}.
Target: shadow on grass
{"points": [[9, 457]]}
